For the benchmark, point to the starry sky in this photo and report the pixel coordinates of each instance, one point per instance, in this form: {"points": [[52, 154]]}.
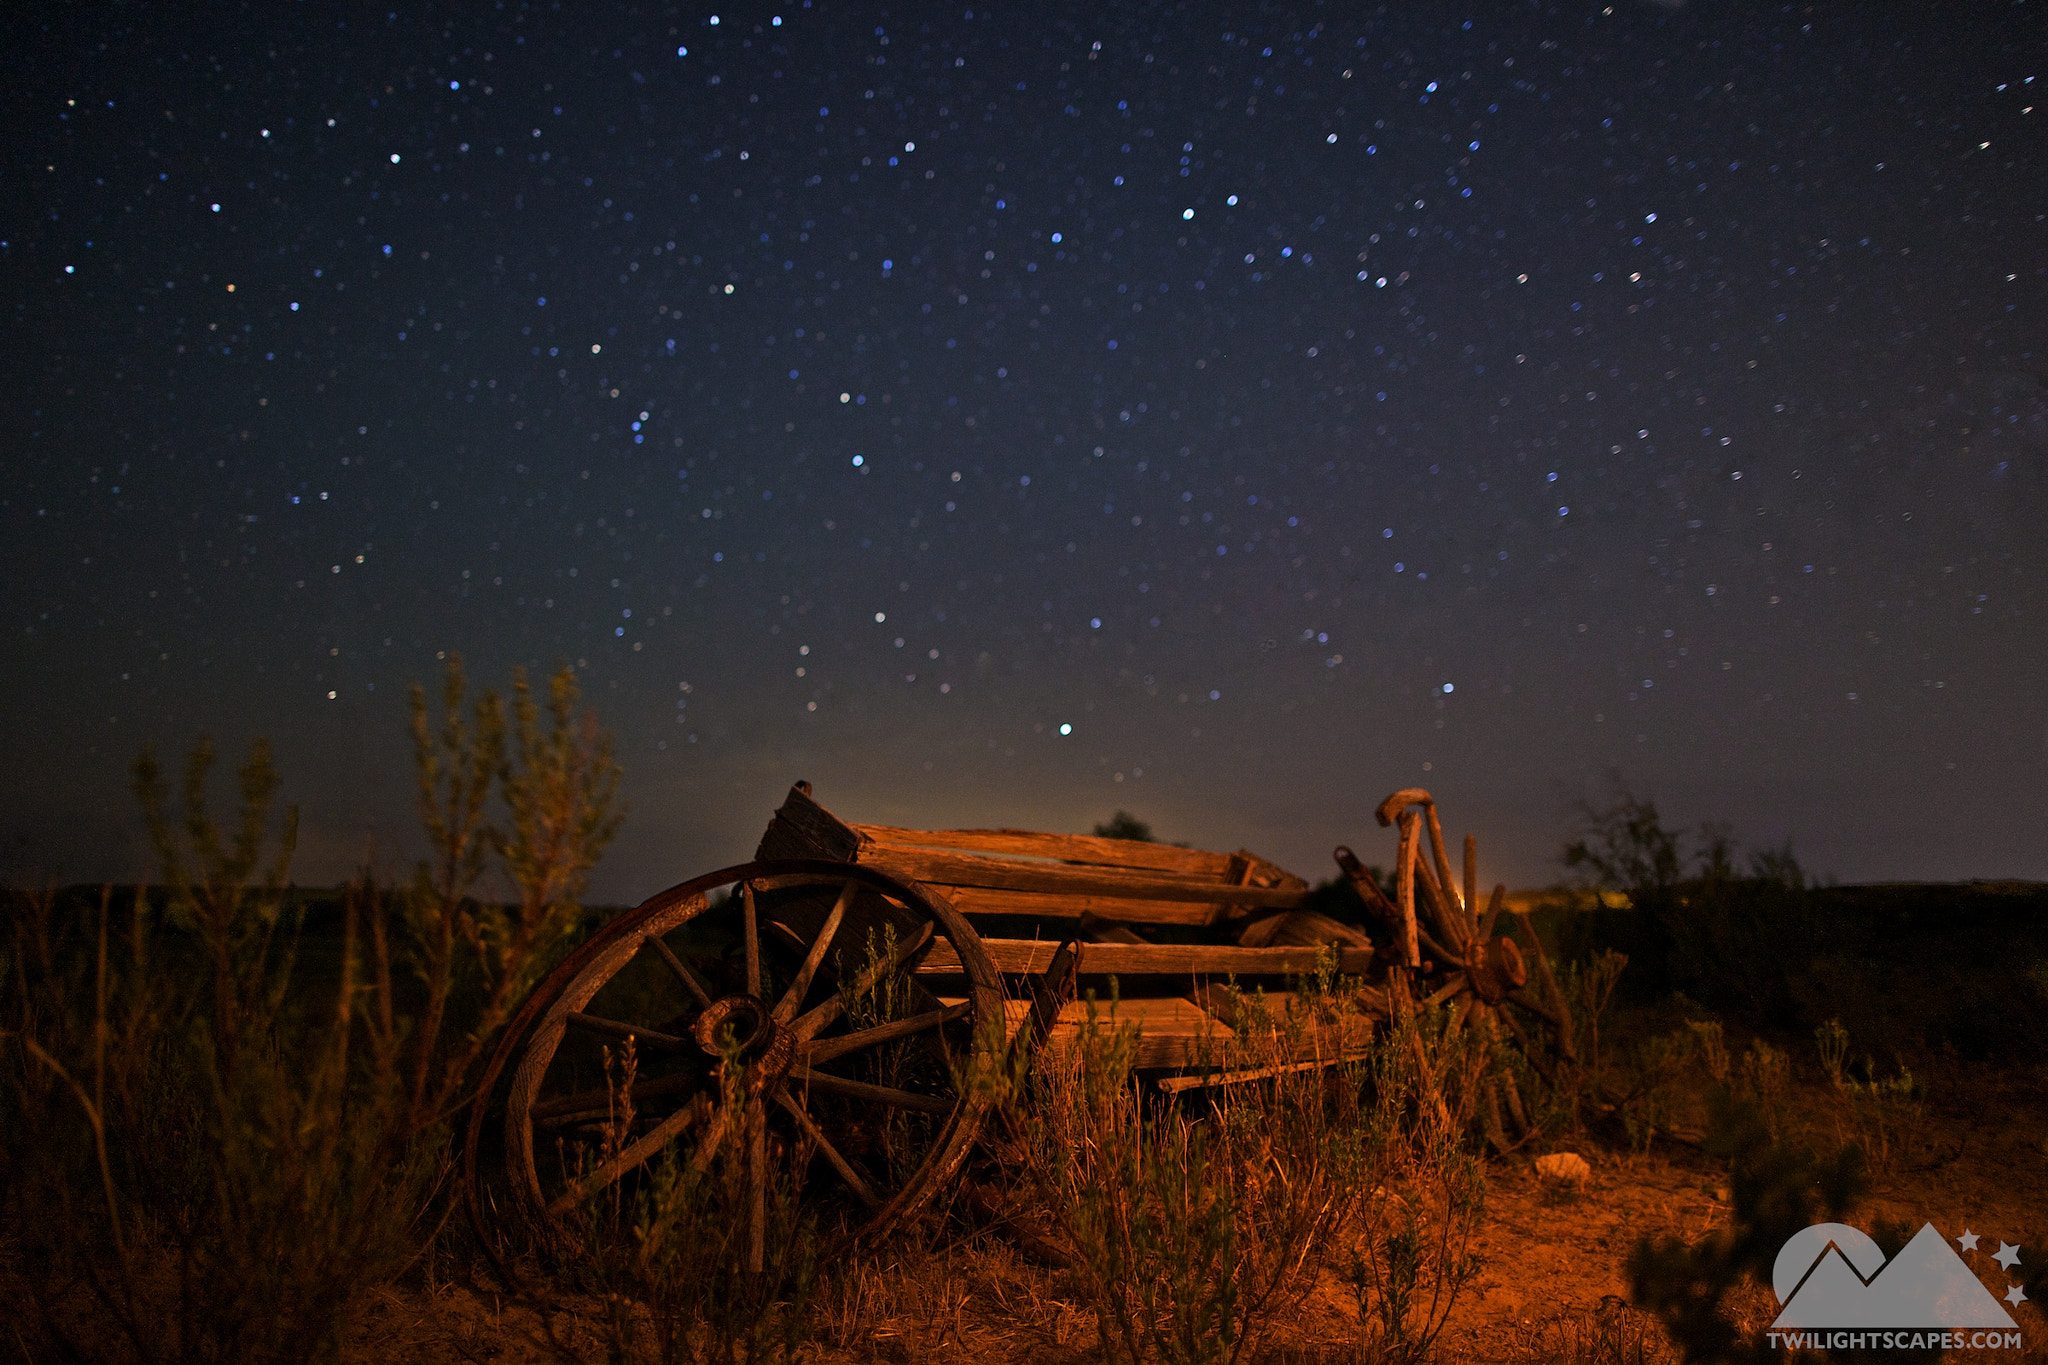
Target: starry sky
{"points": [[1006, 414]]}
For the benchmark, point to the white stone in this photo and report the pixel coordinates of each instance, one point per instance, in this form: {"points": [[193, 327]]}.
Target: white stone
{"points": [[1565, 1168]]}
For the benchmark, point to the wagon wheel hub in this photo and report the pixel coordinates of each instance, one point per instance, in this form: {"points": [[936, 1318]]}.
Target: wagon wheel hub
{"points": [[738, 1022]]}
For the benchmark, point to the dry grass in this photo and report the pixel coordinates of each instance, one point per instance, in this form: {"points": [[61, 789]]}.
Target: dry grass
{"points": [[203, 1158], [1610, 1334], [208, 1153]]}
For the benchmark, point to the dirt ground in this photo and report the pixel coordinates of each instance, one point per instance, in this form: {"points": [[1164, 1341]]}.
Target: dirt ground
{"points": [[1553, 1278]]}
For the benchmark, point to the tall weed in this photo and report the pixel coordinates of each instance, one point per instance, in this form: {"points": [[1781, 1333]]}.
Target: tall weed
{"points": [[252, 1180], [264, 1144], [668, 1259], [1421, 1189], [1189, 1226]]}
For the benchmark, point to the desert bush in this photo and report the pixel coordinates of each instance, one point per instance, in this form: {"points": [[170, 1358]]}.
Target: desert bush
{"points": [[1419, 1183], [1880, 1114], [1692, 922], [1124, 825], [1831, 1041], [1189, 1226], [1184, 1232], [556, 784], [266, 1143], [251, 1182]]}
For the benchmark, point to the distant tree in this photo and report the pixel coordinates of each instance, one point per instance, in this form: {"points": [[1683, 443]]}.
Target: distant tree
{"points": [[1777, 865], [1124, 825], [1624, 845]]}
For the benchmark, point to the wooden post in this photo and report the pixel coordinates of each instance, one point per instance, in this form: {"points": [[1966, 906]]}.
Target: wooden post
{"points": [[1500, 891], [1561, 1017], [1411, 941], [1471, 879], [1443, 859], [1443, 914]]}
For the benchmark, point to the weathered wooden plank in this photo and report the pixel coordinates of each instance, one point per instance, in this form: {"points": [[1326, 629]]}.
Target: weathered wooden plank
{"points": [[1182, 961], [1072, 848], [1169, 1015], [1249, 869], [976, 900], [1171, 1032], [1056, 879], [1177, 1033], [1174, 1085], [1301, 928], [803, 828]]}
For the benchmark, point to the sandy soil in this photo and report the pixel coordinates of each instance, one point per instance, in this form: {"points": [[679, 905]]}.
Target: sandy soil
{"points": [[1554, 1259]]}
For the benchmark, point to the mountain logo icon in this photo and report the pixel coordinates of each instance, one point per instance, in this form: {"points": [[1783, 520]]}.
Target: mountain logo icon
{"points": [[1833, 1276]]}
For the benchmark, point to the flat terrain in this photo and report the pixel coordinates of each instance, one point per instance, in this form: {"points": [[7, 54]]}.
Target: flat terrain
{"points": [[1553, 1284]]}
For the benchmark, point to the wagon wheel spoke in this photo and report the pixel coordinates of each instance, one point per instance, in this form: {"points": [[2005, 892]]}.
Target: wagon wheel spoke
{"points": [[617, 1028], [820, 1017], [707, 1147], [817, 1137], [682, 972], [793, 998], [658, 1137], [886, 1033], [826, 1083], [597, 1103], [752, 932], [757, 1184]]}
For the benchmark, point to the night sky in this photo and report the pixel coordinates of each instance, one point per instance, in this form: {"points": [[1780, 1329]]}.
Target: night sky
{"points": [[1005, 415]]}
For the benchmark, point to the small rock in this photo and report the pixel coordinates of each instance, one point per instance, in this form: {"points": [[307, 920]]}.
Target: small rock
{"points": [[1564, 1168]]}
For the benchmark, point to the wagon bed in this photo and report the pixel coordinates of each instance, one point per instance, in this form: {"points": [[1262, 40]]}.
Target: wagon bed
{"points": [[1092, 898]]}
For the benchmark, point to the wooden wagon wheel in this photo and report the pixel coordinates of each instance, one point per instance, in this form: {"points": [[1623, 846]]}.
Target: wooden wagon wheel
{"points": [[801, 978]]}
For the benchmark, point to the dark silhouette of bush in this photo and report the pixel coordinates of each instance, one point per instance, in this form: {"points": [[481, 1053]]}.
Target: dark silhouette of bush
{"points": [[1775, 1190], [1904, 967]]}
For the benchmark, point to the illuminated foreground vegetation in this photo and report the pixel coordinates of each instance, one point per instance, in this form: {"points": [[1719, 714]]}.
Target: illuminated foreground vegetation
{"points": [[227, 1107]]}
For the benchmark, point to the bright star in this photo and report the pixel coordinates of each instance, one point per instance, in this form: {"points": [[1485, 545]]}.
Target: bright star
{"points": [[2008, 1255], [1968, 1241]]}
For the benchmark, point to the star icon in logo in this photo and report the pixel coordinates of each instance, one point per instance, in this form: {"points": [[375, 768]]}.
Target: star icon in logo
{"points": [[2008, 1255], [2015, 1296], [1968, 1241]]}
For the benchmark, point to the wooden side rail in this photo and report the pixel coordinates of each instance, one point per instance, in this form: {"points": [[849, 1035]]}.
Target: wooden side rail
{"points": [[1066, 848], [1051, 876], [1175, 961]]}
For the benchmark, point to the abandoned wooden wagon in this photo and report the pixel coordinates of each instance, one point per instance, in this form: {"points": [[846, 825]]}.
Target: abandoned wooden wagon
{"points": [[844, 994]]}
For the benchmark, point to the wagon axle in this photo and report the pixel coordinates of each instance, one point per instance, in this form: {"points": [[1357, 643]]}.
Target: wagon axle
{"points": [[739, 1023]]}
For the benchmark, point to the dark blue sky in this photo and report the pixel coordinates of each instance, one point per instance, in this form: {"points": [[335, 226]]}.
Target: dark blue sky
{"points": [[1005, 415]]}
